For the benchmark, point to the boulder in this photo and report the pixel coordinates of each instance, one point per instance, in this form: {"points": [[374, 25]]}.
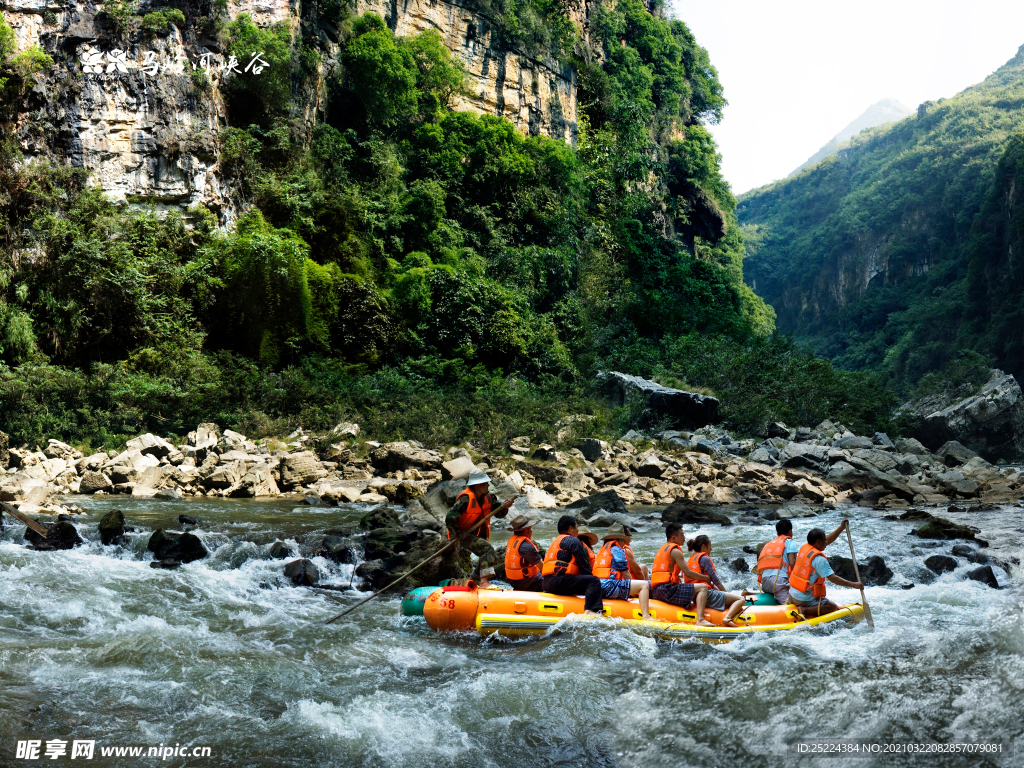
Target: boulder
{"points": [[940, 564], [990, 423], [880, 460], [608, 501], [111, 527], [279, 551], [804, 455], [440, 497], [338, 546], [220, 476], [685, 511], [302, 573], [204, 436], [538, 499], [187, 520], [346, 430], [650, 466], [143, 491], [300, 468], [953, 454], [853, 443], [401, 493], [26, 490], [911, 445], [777, 429], [617, 479], [683, 410], [592, 448], [183, 547], [762, 456], [519, 445], [542, 472], [151, 445], [740, 565], [458, 468], [392, 457], [59, 535], [940, 528], [169, 494], [94, 481], [874, 572], [969, 553], [168, 564], [985, 575], [258, 481]]}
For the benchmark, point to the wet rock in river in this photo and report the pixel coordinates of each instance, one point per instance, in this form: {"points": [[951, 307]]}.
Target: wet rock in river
{"points": [[60, 535], [916, 515], [940, 528], [940, 564], [685, 511], [279, 550], [969, 553], [187, 520], [184, 547], [167, 564], [874, 572], [985, 575], [608, 501], [111, 527], [340, 547], [302, 573], [740, 565]]}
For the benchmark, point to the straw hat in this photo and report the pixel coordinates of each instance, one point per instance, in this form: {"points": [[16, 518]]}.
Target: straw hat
{"points": [[585, 534], [615, 531], [520, 522]]}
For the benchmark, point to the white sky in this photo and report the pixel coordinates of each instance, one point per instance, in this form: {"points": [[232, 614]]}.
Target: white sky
{"points": [[796, 72]]}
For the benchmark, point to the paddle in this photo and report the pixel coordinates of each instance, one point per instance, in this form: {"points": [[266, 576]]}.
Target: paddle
{"points": [[856, 571], [441, 551], [29, 522]]}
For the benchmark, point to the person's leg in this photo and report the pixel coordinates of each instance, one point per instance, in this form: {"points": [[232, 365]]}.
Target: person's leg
{"points": [[735, 604], [592, 602], [488, 558], [700, 600], [534, 584], [782, 594], [643, 589]]}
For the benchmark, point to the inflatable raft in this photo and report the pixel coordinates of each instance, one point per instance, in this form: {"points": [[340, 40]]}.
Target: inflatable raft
{"points": [[515, 614]]}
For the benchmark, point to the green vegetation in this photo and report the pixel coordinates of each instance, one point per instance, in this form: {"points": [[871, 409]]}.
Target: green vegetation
{"points": [[929, 201], [159, 22], [430, 273]]}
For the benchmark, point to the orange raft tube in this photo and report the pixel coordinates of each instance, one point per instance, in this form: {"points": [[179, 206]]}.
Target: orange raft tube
{"points": [[514, 613]]}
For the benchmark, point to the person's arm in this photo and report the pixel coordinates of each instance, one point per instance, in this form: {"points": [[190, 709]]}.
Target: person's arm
{"points": [[678, 559], [579, 554], [709, 570], [835, 534], [620, 560], [530, 553], [635, 569], [500, 508], [451, 520], [844, 583]]}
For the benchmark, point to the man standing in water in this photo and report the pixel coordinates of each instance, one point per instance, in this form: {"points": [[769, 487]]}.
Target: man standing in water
{"points": [[807, 579], [471, 506]]}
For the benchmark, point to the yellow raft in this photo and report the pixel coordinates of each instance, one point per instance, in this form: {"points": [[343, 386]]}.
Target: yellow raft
{"points": [[514, 614]]}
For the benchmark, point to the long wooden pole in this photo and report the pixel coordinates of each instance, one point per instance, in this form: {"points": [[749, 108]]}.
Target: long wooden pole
{"points": [[856, 571], [411, 571], [24, 519]]}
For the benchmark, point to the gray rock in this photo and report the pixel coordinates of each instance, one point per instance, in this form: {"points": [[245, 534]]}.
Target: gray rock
{"points": [[740, 565], [685, 511], [882, 439], [804, 455], [458, 468], [59, 535], [592, 448], [650, 466], [608, 500], [910, 445], [777, 429], [985, 575], [969, 553], [953, 454], [151, 445], [279, 551], [300, 468], [874, 572], [169, 494], [94, 481], [762, 456], [258, 481], [302, 573], [991, 422], [617, 479], [880, 460], [940, 564], [543, 472], [684, 410], [392, 457], [111, 527], [853, 443]]}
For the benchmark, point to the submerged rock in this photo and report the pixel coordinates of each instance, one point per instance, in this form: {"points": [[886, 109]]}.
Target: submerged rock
{"points": [[111, 527], [279, 550], [874, 572], [60, 535], [302, 573], [940, 564], [184, 547], [985, 575], [167, 564], [940, 528]]}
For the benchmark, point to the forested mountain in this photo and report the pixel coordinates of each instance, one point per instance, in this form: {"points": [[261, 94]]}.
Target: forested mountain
{"points": [[897, 255], [445, 235], [879, 113]]}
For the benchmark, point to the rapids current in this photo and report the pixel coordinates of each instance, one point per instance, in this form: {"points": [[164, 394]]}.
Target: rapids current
{"points": [[224, 653]]}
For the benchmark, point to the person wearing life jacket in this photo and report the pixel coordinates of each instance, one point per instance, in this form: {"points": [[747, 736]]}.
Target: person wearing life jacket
{"points": [[775, 561], [636, 569], [718, 597], [666, 582], [807, 579], [471, 506], [567, 569], [522, 558], [612, 569]]}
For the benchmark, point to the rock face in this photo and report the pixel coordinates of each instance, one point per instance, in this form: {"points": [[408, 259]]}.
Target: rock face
{"points": [[131, 111], [683, 410], [990, 423]]}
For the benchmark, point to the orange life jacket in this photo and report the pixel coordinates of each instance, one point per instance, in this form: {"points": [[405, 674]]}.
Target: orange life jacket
{"points": [[474, 511], [590, 554], [773, 556], [552, 565], [603, 565], [694, 565], [516, 566], [664, 568], [800, 576]]}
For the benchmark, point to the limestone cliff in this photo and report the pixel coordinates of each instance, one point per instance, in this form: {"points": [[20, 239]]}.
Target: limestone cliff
{"points": [[144, 112]]}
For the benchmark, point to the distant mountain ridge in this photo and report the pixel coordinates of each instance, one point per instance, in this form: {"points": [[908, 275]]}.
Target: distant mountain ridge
{"points": [[879, 113], [901, 253]]}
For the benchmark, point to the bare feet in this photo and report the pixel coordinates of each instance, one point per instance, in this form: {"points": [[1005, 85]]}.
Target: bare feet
{"points": [[704, 623], [647, 617], [730, 623], [591, 613]]}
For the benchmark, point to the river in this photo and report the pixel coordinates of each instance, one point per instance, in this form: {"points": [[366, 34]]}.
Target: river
{"points": [[224, 653]]}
